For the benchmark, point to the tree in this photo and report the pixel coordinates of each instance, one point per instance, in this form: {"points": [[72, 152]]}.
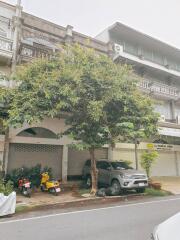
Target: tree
{"points": [[132, 118], [100, 99], [148, 158], [4, 128]]}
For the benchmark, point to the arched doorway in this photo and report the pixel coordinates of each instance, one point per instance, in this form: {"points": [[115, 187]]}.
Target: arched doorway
{"points": [[37, 148]]}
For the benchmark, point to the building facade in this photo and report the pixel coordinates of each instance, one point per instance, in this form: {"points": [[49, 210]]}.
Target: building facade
{"points": [[24, 37], [158, 65]]}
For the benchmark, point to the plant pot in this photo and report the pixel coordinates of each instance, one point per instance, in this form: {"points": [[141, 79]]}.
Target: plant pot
{"points": [[156, 185]]}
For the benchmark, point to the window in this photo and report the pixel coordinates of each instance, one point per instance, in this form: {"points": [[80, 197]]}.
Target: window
{"points": [[130, 48], [103, 165], [120, 165], [88, 163]]}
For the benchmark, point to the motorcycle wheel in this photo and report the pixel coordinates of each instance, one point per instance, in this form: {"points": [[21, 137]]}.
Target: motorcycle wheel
{"points": [[53, 191], [42, 188], [28, 192]]}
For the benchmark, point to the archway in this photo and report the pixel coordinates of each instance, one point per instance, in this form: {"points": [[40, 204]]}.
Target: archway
{"points": [[37, 132], [29, 152]]}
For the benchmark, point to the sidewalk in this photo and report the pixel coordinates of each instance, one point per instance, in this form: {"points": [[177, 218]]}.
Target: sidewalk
{"points": [[39, 199], [171, 184], [67, 199]]}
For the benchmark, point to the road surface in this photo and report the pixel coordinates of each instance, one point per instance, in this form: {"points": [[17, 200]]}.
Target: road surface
{"points": [[130, 221]]}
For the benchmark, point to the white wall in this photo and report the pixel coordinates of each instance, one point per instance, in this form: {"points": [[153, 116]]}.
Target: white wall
{"points": [[163, 108], [167, 164]]}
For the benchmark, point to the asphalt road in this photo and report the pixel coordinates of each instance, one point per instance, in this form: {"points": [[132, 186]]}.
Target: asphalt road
{"points": [[132, 221]]}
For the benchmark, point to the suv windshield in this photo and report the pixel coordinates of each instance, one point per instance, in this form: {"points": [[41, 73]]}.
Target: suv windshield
{"points": [[120, 165]]}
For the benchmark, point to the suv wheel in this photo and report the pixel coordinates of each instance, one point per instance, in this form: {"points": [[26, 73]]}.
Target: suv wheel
{"points": [[88, 181], [116, 186], [140, 190]]}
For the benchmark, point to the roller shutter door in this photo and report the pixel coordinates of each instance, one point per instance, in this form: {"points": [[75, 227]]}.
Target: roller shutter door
{"points": [[29, 155], [76, 159], [164, 165]]}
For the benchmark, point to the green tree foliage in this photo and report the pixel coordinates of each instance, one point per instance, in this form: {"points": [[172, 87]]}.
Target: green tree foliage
{"points": [[99, 98], [148, 158], [6, 188]]}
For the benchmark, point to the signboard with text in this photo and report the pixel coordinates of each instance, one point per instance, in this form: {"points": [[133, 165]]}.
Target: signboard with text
{"points": [[159, 146]]}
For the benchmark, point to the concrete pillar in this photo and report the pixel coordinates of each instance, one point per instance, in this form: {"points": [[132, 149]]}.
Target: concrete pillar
{"points": [[172, 107], [176, 163], [69, 34], [65, 163], [110, 153], [17, 36], [110, 47]]}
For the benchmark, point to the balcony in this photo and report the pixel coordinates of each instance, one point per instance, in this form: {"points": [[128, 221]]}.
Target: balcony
{"points": [[29, 53], [5, 49], [160, 90]]}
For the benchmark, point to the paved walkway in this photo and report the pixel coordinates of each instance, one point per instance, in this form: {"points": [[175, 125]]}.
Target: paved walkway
{"points": [[171, 184], [40, 198]]}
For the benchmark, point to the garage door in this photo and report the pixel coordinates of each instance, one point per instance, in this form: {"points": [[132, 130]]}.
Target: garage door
{"points": [[32, 154], [76, 159], [164, 165]]}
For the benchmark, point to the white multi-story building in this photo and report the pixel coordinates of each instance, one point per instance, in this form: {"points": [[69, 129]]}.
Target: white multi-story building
{"points": [[24, 37], [158, 64]]}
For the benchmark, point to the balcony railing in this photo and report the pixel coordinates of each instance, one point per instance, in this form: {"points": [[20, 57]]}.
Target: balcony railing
{"points": [[28, 53], [159, 89], [5, 44], [3, 80]]}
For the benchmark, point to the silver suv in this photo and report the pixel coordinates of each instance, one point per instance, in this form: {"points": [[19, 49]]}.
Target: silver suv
{"points": [[116, 174]]}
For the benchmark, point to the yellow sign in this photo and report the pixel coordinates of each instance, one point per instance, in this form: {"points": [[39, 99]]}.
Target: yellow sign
{"points": [[150, 146], [159, 146]]}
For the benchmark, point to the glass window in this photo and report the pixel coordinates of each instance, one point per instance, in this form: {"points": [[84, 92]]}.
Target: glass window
{"points": [[130, 48], [148, 55], [88, 163], [157, 58], [103, 165], [120, 165]]}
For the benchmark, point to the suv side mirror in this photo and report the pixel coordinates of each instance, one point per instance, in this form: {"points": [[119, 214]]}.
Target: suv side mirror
{"points": [[108, 168]]}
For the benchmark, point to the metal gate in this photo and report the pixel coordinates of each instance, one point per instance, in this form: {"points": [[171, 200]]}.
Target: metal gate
{"points": [[29, 155]]}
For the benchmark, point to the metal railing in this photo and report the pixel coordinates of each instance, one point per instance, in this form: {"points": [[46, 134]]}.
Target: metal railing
{"points": [[5, 44], [159, 88], [35, 52]]}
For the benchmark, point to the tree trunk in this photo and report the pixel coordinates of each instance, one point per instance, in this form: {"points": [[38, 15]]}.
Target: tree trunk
{"points": [[136, 154], [6, 151], [94, 172]]}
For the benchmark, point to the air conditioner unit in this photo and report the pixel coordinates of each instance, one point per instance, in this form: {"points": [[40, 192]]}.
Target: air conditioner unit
{"points": [[178, 119], [118, 48], [162, 118]]}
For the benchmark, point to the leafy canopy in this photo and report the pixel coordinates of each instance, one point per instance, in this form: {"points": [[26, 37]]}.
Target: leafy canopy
{"points": [[148, 158], [100, 98]]}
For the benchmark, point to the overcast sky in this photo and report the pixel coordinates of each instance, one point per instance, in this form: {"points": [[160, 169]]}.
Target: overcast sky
{"points": [[158, 18]]}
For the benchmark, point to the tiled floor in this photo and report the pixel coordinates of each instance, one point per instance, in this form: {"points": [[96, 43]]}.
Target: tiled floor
{"points": [[171, 184]]}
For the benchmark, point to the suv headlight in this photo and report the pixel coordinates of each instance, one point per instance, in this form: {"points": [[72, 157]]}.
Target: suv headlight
{"points": [[125, 175]]}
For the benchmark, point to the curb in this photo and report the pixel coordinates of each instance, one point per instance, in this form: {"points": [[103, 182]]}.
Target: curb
{"points": [[80, 202]]}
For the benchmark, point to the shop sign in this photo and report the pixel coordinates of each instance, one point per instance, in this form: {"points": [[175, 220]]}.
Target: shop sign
{"points": [[159, 146]]}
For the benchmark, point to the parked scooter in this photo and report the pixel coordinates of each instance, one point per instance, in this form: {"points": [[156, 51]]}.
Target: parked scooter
{"points": [[24, 186], [47, 185]]}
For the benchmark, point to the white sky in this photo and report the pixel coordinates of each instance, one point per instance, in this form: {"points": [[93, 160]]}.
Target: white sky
{"points": [[158, 18]]}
